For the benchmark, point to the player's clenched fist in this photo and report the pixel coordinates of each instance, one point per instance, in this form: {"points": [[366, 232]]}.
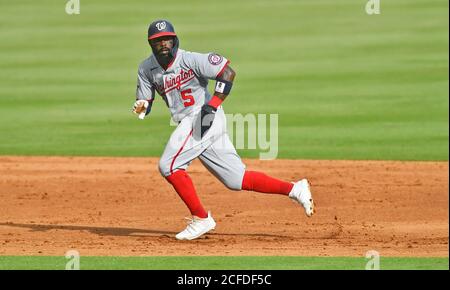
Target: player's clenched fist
{"points": [[140, 107]]}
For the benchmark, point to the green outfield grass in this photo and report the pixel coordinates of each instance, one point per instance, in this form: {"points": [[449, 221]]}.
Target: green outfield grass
{"points": [[346, 85], [222, 263]]}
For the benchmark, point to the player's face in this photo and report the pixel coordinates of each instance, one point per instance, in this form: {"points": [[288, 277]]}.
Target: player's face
{"points": [[162, 45]]}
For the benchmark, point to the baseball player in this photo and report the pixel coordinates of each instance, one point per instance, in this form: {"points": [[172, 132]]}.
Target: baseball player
{"points": [[181, 78]]}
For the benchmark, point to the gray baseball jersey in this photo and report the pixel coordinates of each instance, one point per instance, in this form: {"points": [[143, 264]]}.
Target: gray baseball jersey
{"points": [[184, 88], [183, 85]]}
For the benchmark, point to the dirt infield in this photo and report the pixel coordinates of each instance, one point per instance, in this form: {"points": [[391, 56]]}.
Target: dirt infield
{"points": [[123, 207]]}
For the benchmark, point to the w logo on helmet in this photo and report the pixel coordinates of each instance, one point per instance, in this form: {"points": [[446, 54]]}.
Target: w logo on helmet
{"points": [[161, 25], [160, 28]]}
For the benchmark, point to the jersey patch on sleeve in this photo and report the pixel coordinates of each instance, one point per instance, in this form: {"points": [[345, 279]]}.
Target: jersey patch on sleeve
{"points": [[215, 59]]}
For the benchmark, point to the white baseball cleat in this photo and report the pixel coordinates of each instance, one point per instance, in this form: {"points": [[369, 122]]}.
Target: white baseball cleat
{"points": [[302, 194], [197, 227]]}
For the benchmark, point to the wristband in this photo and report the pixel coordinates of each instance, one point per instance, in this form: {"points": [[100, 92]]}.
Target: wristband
{"points": [[215, 102]]}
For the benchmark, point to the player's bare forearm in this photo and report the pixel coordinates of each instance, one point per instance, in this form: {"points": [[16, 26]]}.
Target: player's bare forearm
{"points": [[227, 75]]}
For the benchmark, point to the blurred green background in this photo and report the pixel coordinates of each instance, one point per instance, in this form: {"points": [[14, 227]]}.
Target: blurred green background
{"points": [[346, 85]]}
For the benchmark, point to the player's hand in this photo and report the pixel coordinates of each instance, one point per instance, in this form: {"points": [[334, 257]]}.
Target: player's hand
{"points": [[140, 108], [207, 115]]}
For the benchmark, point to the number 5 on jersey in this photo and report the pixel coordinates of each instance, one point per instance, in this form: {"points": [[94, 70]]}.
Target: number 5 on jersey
{"points": [[188, 100]]}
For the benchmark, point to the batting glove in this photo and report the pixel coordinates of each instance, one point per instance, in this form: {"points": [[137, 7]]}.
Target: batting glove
{"points": [[206, 118], [142, 108]]}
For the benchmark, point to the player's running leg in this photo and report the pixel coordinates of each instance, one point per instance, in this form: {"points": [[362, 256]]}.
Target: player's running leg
{"points": [[181, 149], [298, 191], [223, 161]]}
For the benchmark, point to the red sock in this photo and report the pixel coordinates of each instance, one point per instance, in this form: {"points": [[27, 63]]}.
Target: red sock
{"points": [[260, 182], [183, 185]]}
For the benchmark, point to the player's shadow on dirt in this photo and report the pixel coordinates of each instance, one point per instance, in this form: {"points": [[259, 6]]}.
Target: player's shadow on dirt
{"points": [[127, 232], [101, 231]]}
